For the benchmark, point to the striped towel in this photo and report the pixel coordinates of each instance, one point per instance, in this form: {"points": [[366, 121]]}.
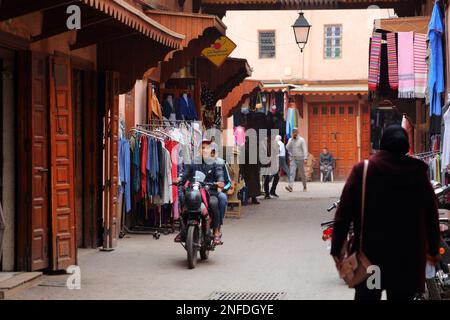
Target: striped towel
{"points": [[406, 85], [374, 63], [420, 64], [392, 60]]}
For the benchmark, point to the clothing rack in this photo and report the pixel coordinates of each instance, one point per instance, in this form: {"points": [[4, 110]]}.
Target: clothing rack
{"points": [[425, 154], [155, 231]]}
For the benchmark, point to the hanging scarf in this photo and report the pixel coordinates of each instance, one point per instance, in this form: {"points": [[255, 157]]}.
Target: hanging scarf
{"points": [[406, 65], [392, 60], [374, 64], [420, 65]]}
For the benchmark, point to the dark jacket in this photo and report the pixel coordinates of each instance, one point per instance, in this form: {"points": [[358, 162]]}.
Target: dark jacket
{"points": [[401, 224]]}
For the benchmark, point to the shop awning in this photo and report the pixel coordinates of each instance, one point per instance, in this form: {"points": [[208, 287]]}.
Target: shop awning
{"points": [[200, 32], [237, 96], [97, 15], [405, 24], [329, 90], [276, 87], [221, 81]]}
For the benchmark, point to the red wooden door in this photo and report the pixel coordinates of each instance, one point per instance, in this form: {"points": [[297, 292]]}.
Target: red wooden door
{"points": [[39, 163], [111, 221], [62, 161], [333, 125]]}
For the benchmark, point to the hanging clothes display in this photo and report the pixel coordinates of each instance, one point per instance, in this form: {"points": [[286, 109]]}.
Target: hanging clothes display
{"points": [[446, 140], [436, 70], [420, 65], [125, 171], [406, 65], [291, 122], [391, 39], [374, 61]]}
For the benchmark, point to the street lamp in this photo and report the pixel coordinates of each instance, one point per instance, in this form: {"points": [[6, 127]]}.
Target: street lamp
{"points": [[301, 31]]}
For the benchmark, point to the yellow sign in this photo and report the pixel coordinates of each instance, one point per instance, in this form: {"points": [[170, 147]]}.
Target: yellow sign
{"points": [[219, 51]]}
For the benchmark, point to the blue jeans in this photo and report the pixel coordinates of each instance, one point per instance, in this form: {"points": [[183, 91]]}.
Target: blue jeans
{"points": [[223, 201]]}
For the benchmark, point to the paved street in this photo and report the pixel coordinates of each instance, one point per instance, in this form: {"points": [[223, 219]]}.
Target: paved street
{"points": [[275, 246]]}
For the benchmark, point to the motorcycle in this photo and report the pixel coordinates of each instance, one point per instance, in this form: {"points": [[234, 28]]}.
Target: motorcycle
{"points": [[199, 237]]}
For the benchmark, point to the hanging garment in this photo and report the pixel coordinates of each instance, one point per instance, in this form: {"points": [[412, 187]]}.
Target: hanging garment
{"points": [[166, 192], [436, 70], [125, 170], [239, 135], [420, 65], [391, 39], [187, 109], [291, 122], [153, 168], [406, 65], [406, 124], [207, 98], [172, 147], [446, 141], [383, 82], [137, 164], [143, 156], [374, 63], [156, 106], [286, 105]]}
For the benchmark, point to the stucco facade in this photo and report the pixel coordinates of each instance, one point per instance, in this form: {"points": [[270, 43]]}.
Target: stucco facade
{"points": [[289, 63]]}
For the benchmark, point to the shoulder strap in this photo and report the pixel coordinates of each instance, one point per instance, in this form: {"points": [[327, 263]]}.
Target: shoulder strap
{"points": [[363, 200]]}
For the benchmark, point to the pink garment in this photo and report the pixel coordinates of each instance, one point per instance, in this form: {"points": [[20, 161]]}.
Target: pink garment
{"points": [[239, 135], [172, 147], [286, 105], [406, 124], [406, 83]]}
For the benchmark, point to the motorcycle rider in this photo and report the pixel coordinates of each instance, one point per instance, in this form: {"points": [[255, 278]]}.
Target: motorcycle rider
{"points": [[214, 174]]}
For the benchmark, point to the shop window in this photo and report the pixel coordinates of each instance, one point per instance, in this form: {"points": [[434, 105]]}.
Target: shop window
{"points": [[341, 110], [333, 110], [350, 110], [315, 111], [333, 41], [266, 44], [324, 110]]}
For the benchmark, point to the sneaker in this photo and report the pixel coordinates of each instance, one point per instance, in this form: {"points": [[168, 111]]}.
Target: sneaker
{"points": [[288, 188], [267, 196], [274, 195]]}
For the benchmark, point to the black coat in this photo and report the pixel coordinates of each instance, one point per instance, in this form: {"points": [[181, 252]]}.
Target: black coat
{"points": [[212, 170], [401, 224]]}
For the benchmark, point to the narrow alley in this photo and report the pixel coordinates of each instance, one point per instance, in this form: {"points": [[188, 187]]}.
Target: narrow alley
{"points": [[294, 260]]}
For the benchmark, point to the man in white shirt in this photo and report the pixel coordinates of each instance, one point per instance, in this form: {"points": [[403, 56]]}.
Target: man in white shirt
{"points": [[282, 155], [299, 153]]}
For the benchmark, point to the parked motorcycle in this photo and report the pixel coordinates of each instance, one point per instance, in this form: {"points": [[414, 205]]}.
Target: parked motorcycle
{"points": [[199, 237]]}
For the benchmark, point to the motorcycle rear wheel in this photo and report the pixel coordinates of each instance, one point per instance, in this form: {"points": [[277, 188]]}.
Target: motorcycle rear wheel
{"points": [[432, 291], [192, 240]]}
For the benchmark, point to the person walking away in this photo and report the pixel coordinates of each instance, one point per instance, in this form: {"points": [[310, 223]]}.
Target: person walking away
{"points": [[282, 155], [299, 153], [398, 198], [326, 164], [269, 168]]}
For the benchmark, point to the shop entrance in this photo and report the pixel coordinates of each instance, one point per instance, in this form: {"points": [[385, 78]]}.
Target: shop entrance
{"points": [[333, 125]]}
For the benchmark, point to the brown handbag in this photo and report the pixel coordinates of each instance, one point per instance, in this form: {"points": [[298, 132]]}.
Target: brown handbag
{"points": [[353, 268]]}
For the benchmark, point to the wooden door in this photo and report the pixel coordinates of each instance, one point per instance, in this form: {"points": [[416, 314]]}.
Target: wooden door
{"points": [[333, 125], [39, 163], [62, 162], [77, 105], [111, 156]]}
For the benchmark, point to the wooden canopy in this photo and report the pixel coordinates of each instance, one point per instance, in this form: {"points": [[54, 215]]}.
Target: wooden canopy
{"points": [[222, 80], [238, 95], [200, 32]]}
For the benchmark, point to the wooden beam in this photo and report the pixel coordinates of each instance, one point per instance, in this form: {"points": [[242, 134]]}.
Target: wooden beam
{"points": [[15, 8], [63, 28], [85, 38]]}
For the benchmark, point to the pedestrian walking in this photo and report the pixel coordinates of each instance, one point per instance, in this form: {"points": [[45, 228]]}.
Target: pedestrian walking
{"points": [[271, 170], [282, 155], [398, 196], [299, 153]]}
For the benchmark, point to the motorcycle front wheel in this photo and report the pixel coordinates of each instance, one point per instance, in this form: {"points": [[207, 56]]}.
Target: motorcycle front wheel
{"points": [[192, 241], [432, 291]]}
